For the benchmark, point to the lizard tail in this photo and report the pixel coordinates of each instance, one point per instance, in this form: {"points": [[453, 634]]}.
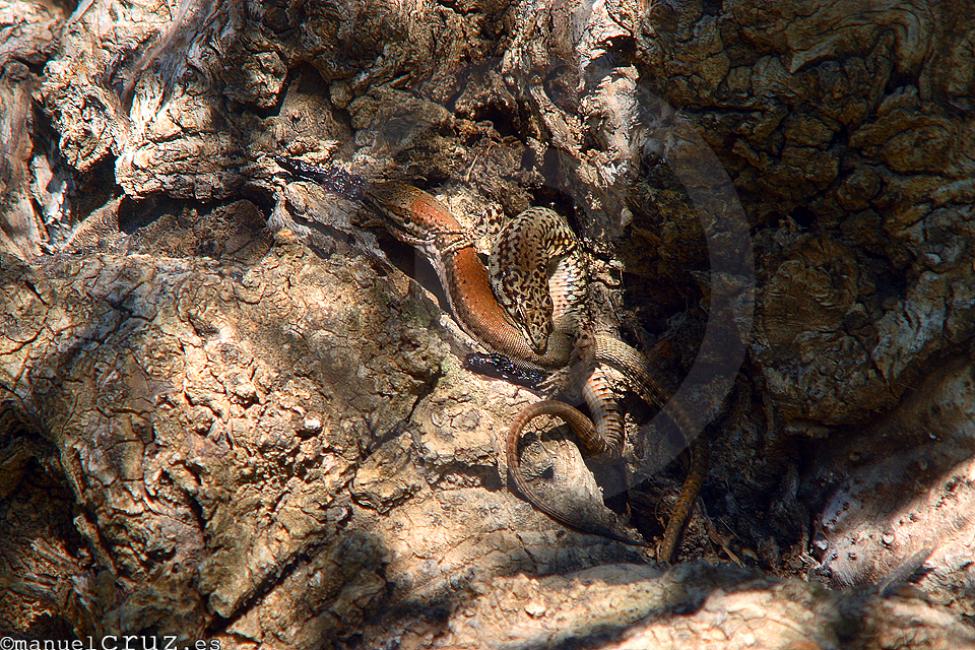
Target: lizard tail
{"points": [[633, 365], [583, 427], [685, 501]]}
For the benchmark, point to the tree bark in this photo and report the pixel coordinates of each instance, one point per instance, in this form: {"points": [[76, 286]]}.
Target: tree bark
{"points": [[227, 412]]}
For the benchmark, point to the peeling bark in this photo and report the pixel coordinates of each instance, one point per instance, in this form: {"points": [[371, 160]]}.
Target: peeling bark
{"points": [[227, 412]]}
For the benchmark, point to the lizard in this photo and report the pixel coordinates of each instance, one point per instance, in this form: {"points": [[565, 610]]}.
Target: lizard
{"points": [[523, 256], [419, 220], [537, 274], [604, 440]]}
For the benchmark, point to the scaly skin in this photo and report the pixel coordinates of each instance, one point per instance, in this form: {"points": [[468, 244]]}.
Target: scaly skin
{"points": [[523, 253], [606, 436], [594, 443], [524, 250], [633, 365], [418, 219]]}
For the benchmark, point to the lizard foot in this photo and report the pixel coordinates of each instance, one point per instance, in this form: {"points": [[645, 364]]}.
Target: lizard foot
{"points": [[499, 366], [561, 382]]}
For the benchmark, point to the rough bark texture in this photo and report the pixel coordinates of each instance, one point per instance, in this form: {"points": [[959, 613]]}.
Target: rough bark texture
{"points": [[226, 412]]}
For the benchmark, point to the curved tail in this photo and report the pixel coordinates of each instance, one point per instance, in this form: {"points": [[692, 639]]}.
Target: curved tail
{"points": [[582, 427]]}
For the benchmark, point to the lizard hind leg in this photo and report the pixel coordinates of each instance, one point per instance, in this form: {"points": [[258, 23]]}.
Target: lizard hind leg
{"points": [[570, 381]]}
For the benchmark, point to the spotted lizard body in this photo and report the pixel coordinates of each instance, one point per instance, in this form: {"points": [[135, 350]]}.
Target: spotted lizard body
{"points": [[536, 263], [493, 310]]}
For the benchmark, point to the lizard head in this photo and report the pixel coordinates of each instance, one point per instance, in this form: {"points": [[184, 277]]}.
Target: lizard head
{"points": [[534, 320], [523, 295], [415, 217]]}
